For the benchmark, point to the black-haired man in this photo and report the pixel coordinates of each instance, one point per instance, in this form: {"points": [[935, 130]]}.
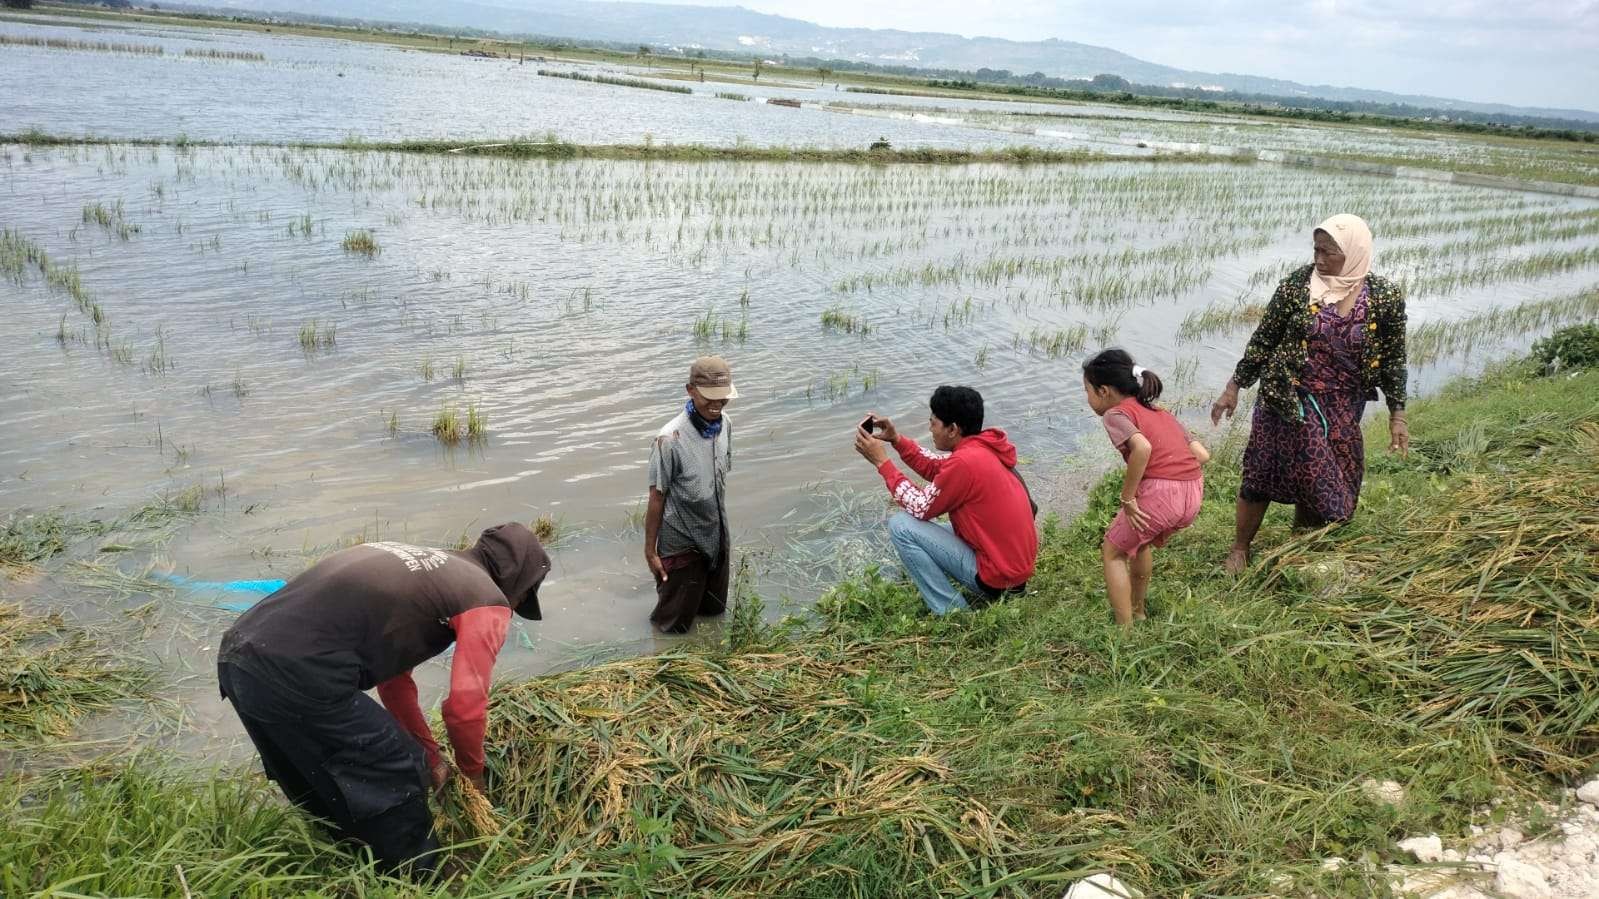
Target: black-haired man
{"points": [[991, 545], [295, 667]]}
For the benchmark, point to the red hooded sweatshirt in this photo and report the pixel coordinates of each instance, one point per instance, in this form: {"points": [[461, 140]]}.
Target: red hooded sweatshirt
{"points": [[986, 502]]}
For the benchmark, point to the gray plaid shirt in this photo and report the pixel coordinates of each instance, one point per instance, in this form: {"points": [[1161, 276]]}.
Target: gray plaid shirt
{"points": [[692, 473]]}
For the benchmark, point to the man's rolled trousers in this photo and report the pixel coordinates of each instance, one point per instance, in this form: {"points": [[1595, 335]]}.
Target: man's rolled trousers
{"points": [[296, 666]]}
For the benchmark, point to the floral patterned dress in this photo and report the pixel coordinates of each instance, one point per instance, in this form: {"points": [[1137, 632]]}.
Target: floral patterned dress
{"points": [[1317, 462]]}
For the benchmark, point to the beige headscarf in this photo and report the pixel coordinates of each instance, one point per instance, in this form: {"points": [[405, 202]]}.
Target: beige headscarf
{"points": [[1354, 238]]}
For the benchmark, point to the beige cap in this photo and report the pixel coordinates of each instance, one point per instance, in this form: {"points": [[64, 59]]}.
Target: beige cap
{"points": [[712, 377]]}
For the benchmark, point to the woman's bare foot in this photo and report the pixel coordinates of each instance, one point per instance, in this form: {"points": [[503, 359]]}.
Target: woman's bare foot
{"points": [[1237, 560]]}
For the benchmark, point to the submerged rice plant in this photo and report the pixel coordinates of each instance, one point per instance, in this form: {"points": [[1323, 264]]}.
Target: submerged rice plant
{"points": [[1219, 319], [237, 55], [316, 336], [55, 43], [835, 318], [361, 242], [618, 82], [447, 426], [1434, 340]]}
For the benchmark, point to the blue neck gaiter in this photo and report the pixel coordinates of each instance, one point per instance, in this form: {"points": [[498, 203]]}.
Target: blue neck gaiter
{"points": [[707, 429]]}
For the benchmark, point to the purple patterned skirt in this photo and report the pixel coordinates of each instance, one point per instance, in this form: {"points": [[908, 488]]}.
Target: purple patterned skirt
{"points": [[1316, 464]]}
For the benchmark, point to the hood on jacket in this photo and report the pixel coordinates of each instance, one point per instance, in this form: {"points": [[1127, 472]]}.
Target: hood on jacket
{"points": [[517, 562], [995, 441]]}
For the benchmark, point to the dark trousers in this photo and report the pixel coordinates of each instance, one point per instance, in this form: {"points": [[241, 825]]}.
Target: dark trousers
{"points": [[346, 762], [693, 586]]}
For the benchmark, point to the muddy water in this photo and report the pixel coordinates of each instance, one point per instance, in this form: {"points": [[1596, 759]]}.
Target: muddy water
{"points": [[313, 89], [570, 292]]}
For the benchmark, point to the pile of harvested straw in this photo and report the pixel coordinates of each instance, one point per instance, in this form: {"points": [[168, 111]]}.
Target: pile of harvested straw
{"points": [[1486, 603], [756, 775], [51, 675]]}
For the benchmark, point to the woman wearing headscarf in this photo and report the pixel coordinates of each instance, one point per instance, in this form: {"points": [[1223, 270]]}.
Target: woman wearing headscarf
{"points": [[1332, 335]]}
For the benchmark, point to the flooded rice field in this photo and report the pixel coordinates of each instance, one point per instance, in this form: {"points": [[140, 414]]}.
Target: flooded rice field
{"points": [[161, 81], [283, 88], [237, 358]]}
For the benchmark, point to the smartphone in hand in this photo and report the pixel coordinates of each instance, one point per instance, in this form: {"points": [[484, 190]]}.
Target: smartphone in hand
{"points": [[868, 424]]}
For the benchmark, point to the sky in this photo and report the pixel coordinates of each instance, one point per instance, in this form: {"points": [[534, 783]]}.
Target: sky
{"points": [[1523, 52]]}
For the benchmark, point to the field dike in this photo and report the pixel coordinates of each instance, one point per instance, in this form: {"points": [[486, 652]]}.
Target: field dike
{"points": [[1447, 641]]}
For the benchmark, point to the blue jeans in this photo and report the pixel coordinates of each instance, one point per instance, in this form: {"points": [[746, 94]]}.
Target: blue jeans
{"points": [[932, 554]]}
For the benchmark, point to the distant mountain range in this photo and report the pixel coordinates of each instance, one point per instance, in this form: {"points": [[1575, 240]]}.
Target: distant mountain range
{"points": [[739, 29]]}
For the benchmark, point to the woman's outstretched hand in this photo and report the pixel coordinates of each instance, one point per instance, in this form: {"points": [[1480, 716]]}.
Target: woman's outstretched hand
{"points": [[1398, 434], [1226, 404]]}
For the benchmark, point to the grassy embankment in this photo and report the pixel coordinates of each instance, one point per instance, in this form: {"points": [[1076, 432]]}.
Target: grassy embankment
{"points": [[1448, 639]]}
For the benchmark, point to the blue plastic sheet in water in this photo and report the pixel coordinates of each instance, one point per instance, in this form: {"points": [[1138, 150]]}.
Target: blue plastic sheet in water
{"points": [[237, 596]]}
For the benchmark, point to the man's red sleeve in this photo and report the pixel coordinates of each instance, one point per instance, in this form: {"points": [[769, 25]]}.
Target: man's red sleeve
{"points": [[925, 462], [479, 634], [398, 694], [947, 491]]}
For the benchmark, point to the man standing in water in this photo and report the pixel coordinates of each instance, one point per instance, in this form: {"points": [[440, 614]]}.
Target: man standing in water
{"points": [[991, 545], [685, 530], [295, 666]]}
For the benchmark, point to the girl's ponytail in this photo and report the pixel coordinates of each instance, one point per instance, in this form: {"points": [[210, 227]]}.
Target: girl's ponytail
{"points": [[1114, 368], [1149, 386]]}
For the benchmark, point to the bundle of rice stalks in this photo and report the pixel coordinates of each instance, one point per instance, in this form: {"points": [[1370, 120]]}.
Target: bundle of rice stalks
{"points": [[50, 676], [1486, 603], [466, 814], [757, 775]]}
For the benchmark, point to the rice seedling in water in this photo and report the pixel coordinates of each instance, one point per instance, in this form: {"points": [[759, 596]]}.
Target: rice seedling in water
{"points": [[729, 95], [236, 55], [158, 361], [1218, 319], [362, 242], [315, 336], [1057, 343], [447, 426], [1434, 340], [618, 82], [392, 423], [547, 528], [835, 318], [11, 40], [426, 369], [477, 424], [459, 372]]}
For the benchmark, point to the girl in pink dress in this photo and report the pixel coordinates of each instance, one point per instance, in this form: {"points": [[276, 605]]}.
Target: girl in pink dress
{"points": [[1163, 487]]}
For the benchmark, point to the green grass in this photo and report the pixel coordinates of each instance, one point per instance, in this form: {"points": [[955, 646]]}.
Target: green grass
{"points": [[877, 752]]}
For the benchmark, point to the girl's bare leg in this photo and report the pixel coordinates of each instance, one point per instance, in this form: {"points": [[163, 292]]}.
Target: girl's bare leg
{"points": [[1118, 583], [1142, 569]]}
